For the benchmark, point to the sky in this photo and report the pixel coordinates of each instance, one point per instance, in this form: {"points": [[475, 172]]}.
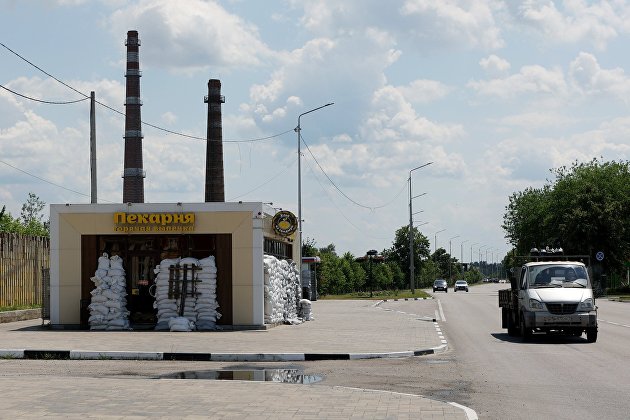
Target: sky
{"points": [[495, 94]]}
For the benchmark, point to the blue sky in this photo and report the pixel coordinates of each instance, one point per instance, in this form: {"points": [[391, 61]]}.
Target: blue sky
{"points": [[494, 93]]}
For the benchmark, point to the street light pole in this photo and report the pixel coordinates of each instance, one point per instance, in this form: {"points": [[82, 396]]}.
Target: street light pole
{"points": [[450, 257], [298, 129], [412, 268], [471, 247], [461, 251], [435, 240]]}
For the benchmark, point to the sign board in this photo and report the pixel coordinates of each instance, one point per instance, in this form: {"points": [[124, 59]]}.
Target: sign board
{"points": [[154, 222], [284, 223], [599, 256]]}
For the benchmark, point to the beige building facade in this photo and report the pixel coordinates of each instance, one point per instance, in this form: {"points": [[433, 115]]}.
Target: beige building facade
{"points": [[143, 234]]}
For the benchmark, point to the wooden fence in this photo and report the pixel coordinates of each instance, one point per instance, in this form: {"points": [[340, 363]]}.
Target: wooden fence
{"points": [[22, 260]]}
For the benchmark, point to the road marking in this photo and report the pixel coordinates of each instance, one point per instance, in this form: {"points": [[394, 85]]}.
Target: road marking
{"points": [[613, 323], [441, 311], [437, 315], [470, 413]]}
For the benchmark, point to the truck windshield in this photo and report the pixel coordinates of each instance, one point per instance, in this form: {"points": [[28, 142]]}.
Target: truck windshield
{"points": [[558, 275]]}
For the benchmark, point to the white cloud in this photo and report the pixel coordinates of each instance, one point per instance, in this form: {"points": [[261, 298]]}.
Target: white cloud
{"points": [[533, 79], [574, 21], [589, 78], [494, 65], [424, 91], [191, 36], [169, 118], [469, 21]]}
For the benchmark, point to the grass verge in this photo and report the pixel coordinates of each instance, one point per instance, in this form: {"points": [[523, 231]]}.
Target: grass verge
{"points": [[378, 295]]}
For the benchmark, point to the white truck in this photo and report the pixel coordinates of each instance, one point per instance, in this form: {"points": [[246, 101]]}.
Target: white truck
{"points": [[550, 294]]}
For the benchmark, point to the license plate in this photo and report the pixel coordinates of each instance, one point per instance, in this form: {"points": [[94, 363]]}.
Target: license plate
{"points": [[558, 318]]}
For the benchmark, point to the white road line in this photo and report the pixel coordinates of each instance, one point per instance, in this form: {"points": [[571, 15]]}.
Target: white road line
{"points": [[437, 315], [613, 323], [470, 413], [441, 311]]}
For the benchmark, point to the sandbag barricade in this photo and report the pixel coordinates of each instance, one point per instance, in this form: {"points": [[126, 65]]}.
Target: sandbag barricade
{"points": [[282, 291], [108, 306], [186, 294]]}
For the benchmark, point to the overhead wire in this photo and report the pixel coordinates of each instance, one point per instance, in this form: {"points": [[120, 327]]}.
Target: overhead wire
{"points": [[41, 100], [47, 181], [363, 231], [265, 183], [143, 122], [372, 208]]}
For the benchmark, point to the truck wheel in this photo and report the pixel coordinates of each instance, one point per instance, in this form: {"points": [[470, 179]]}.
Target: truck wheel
{"points": [[591, 335], [526, 333]]}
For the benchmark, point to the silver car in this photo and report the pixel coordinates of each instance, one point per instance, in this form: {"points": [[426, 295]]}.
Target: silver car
{"points": [[460, 285]]}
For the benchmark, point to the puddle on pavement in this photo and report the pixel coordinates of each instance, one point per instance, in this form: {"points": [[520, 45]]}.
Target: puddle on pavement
{"points": [[290, 376]]}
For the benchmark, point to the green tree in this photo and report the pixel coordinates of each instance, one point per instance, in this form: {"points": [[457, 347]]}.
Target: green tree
{"points": [[399, 252], [30, 221], [585, 209]]}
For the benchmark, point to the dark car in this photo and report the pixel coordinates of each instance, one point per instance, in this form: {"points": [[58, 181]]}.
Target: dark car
{"points": [[440, 285], [460, 285]]}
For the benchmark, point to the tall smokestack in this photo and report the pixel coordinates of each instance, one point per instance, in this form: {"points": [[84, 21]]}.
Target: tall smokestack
{"points": [[133, 174], [215, 189]]}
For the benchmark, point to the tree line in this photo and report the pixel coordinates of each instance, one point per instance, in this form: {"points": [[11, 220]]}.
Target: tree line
{"points": [[584, 210], [31, 220]]}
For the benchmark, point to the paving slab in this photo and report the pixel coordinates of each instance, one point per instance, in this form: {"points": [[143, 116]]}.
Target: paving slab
{"points": [[339, 330]]}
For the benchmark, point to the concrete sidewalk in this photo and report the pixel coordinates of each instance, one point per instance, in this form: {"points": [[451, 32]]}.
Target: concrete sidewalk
{"points": [[340, 330]]}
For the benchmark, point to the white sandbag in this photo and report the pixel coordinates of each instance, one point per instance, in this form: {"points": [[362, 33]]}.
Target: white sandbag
{"points": [[113, 272], [103, 262], [116, 262], [98, 299], [189, 261], [97, 307]]}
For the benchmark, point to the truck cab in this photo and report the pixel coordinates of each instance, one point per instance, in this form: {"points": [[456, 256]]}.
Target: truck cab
{"points": [[552, 297]]}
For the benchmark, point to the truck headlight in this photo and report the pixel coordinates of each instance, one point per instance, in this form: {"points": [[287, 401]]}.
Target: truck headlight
{"points": [[536, 304], [586, 305]]}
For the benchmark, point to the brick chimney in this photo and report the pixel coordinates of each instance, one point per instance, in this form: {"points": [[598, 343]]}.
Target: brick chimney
{"points": [[215, 189], [133, 174]]}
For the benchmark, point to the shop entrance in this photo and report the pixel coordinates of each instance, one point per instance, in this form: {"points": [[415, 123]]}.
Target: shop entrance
{"points": [[140, 254]]}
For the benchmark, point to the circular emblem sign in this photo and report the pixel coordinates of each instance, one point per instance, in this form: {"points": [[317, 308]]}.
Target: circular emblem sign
{"points": [[600, 256], [284, 223]]}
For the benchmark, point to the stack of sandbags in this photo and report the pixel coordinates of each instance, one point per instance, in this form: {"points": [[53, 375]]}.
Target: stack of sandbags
{"points": [[199, 298], [167, 307], [206, 305], [181, 323], [108, 308], [304, 311], [282, 290]]}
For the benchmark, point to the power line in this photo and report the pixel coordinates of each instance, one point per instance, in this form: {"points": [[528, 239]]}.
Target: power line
{"points": [[46, 181], [41, 100], [363, 231], [344, 194], [265, 183], [143, 122]]}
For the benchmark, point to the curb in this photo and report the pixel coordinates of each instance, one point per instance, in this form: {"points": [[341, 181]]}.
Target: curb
{"points": [[207, 357], [20, 315]]}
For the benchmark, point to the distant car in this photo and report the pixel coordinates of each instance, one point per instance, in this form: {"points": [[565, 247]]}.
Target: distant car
{"points": [[460, 285], [440, 285]]}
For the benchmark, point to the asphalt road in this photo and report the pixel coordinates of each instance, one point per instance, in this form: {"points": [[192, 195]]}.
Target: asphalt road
{"points": [[553, 377], [494, 374]]}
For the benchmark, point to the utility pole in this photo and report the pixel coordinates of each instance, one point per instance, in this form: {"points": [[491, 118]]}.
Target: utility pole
{"points": [[412, 273], [93, 195]]}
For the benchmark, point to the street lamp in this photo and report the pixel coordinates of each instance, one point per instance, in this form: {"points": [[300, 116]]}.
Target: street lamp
{"points": [[412, 268], [450, 257], [471, 247], [435, 241], [461, 251], [298, 129]]}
